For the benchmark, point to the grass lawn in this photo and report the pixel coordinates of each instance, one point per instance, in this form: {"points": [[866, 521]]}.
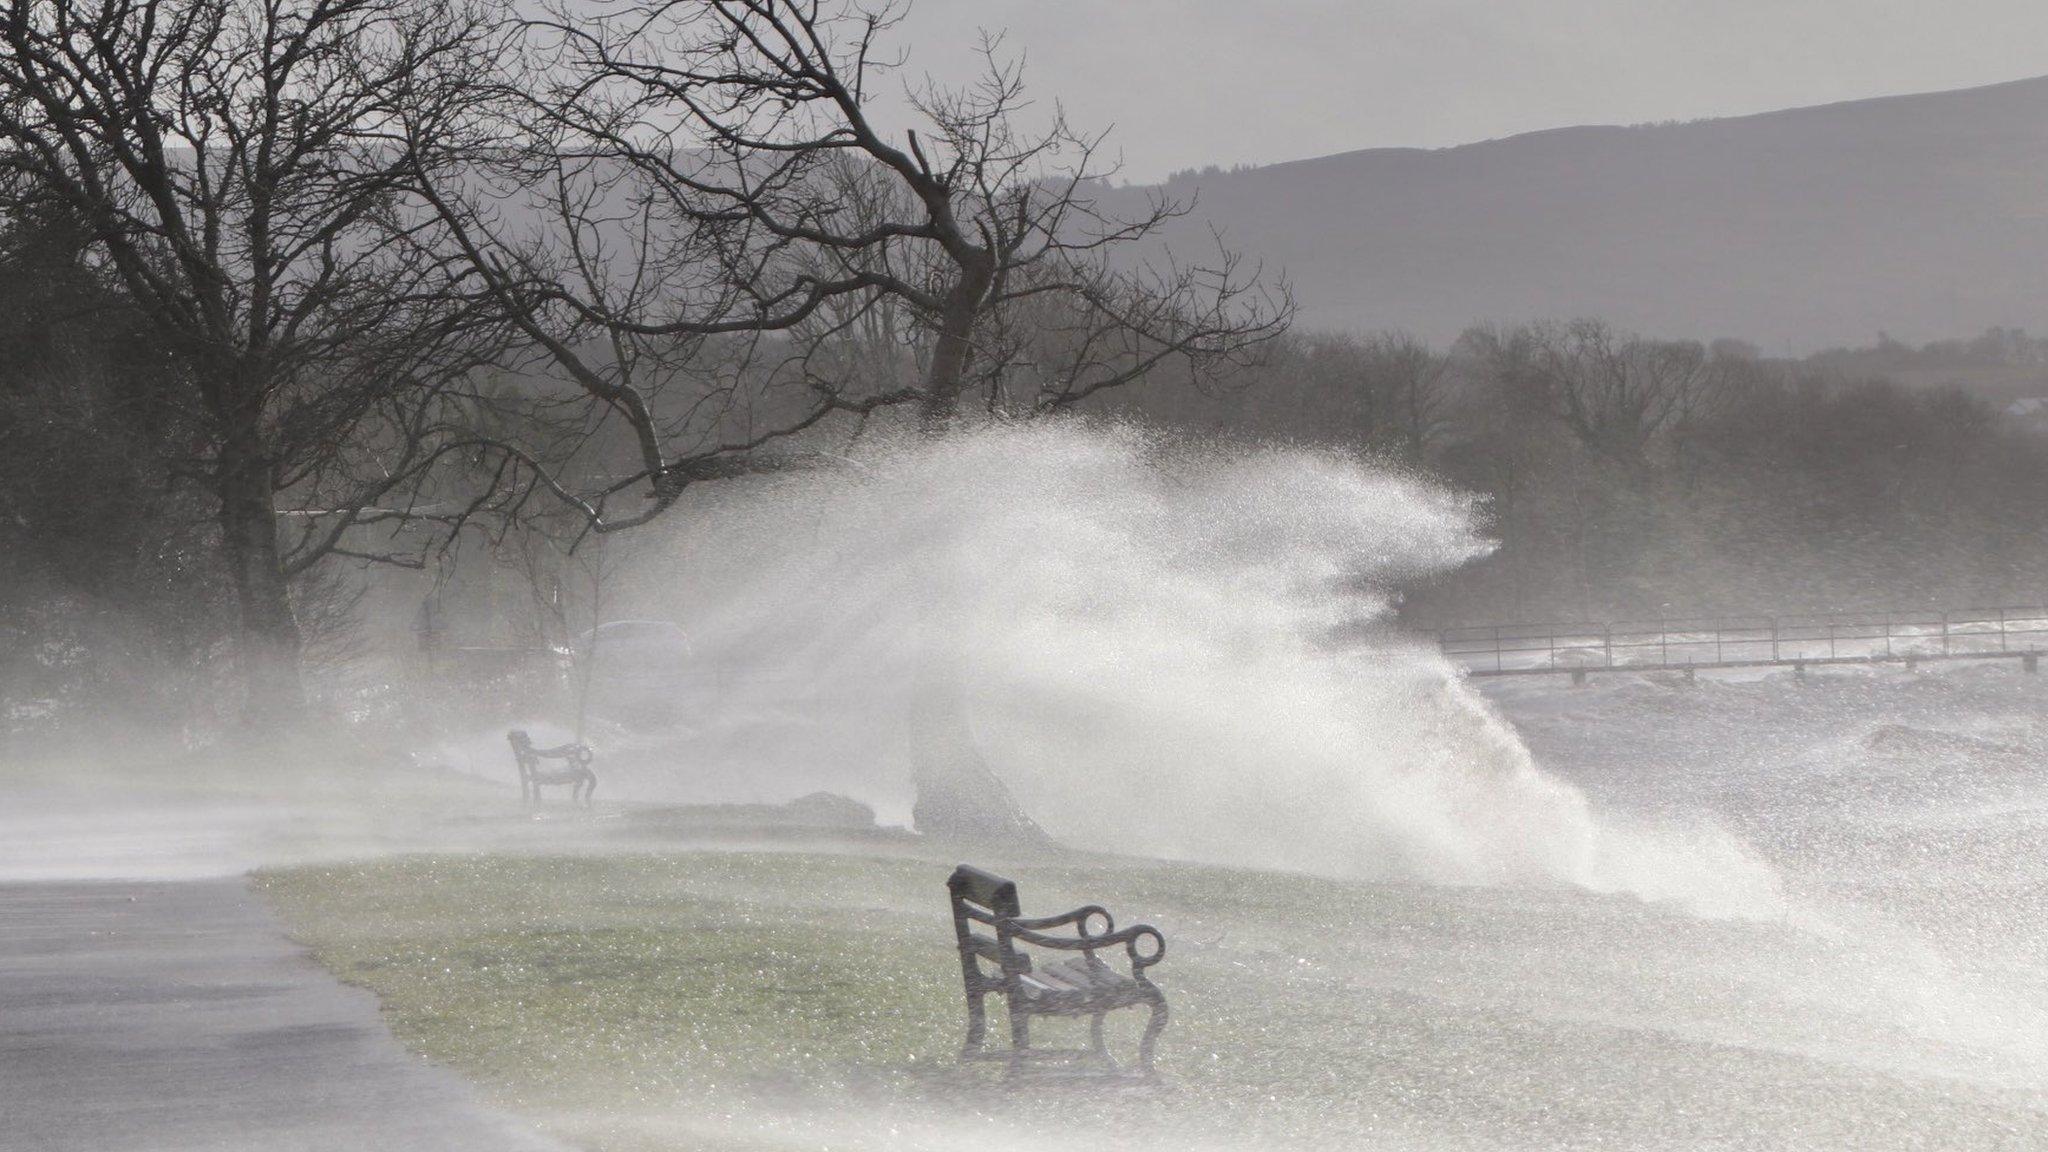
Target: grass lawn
{"points": [[743, 1000]]}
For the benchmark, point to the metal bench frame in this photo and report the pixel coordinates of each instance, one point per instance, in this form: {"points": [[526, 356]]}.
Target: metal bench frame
{"points": [[1080, 986], [575, 770]]}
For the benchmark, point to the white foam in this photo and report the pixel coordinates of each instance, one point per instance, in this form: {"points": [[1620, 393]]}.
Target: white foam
{"points": [[1165, 649]]}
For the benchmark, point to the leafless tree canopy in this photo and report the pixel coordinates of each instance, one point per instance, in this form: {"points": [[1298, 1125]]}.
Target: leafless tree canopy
{"points": [[238, 167], [1616, 393], [690, 211], [427, 264]]}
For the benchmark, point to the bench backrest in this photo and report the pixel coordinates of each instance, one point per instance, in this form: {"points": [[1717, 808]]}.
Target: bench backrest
{"points": [[980, 899], [529, 757], [522, 751]]}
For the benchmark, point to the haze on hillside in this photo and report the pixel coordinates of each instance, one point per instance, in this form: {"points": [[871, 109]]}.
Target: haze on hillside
{"points": [[1921, 217], [1200, 82]]}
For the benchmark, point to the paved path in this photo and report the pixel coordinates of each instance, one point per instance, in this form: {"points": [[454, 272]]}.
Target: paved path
{"points": [[175, 1017]]}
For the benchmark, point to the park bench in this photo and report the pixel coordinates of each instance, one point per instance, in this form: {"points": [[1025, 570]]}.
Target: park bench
{"points": [[575, 770], [1073, 986]]}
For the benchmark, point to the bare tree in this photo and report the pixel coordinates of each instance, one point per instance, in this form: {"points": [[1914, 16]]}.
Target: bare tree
{"points": [[236, 165], [691, 214], [1617, 393], [573, 579], [992, 237], [109, 592], [1411, 381]]}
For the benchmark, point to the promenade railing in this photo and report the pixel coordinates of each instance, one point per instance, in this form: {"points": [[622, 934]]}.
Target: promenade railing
{"points": [[1750, 641]]}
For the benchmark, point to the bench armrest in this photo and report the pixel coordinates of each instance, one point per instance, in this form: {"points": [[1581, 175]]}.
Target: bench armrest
{"points": [[1078, 917], [1129, 938]]}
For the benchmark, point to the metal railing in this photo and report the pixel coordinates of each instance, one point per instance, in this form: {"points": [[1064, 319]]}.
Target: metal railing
{"points": [[1754, 641]]}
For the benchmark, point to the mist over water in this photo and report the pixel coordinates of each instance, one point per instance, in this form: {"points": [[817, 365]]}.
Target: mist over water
{"points": [[1164, 648]]}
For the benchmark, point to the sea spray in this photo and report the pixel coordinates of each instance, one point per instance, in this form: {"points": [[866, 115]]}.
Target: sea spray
{"points": [[1166, 648]]}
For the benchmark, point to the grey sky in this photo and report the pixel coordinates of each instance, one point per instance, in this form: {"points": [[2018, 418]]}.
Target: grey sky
{"points": [[1192, 82]]}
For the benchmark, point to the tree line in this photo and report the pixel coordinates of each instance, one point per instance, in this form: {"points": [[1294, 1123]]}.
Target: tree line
{"points": [[1631, 478]]}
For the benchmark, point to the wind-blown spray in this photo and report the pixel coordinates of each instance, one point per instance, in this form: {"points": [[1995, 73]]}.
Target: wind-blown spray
{"points": [[1166, 648]]}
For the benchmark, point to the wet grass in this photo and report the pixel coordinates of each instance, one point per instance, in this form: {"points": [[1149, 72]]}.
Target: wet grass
{"points": [[727, 1000], [655, 974], [585, 989], [638, 975]]}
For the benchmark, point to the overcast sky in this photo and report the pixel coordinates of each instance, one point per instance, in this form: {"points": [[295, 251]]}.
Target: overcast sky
{"points": [[1194, 82]]}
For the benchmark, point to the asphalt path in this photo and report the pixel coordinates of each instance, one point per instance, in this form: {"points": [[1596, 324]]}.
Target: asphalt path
{"points": [[175, 1016]]}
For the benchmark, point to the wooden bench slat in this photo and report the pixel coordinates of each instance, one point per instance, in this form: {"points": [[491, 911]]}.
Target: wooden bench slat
{"points": [[1091, 974]]}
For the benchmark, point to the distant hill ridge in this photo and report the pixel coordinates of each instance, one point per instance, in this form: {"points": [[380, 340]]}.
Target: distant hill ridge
{"points": [[1923, 216]]}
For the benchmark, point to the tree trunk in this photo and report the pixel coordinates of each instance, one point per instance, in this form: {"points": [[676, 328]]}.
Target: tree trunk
{"points": [[958, 796], [269, 646], [947, 375], [589, 668]]}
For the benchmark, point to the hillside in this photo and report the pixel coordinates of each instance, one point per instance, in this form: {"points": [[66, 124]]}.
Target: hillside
{"points": [[1922, 216]]}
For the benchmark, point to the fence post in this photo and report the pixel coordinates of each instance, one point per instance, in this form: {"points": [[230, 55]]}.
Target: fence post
{"points": [[1774, 639], [1607, 642]]}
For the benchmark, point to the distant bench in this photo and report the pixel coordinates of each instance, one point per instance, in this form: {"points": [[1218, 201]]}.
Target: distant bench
{"points": [[575, 770], [1080, 985]]}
